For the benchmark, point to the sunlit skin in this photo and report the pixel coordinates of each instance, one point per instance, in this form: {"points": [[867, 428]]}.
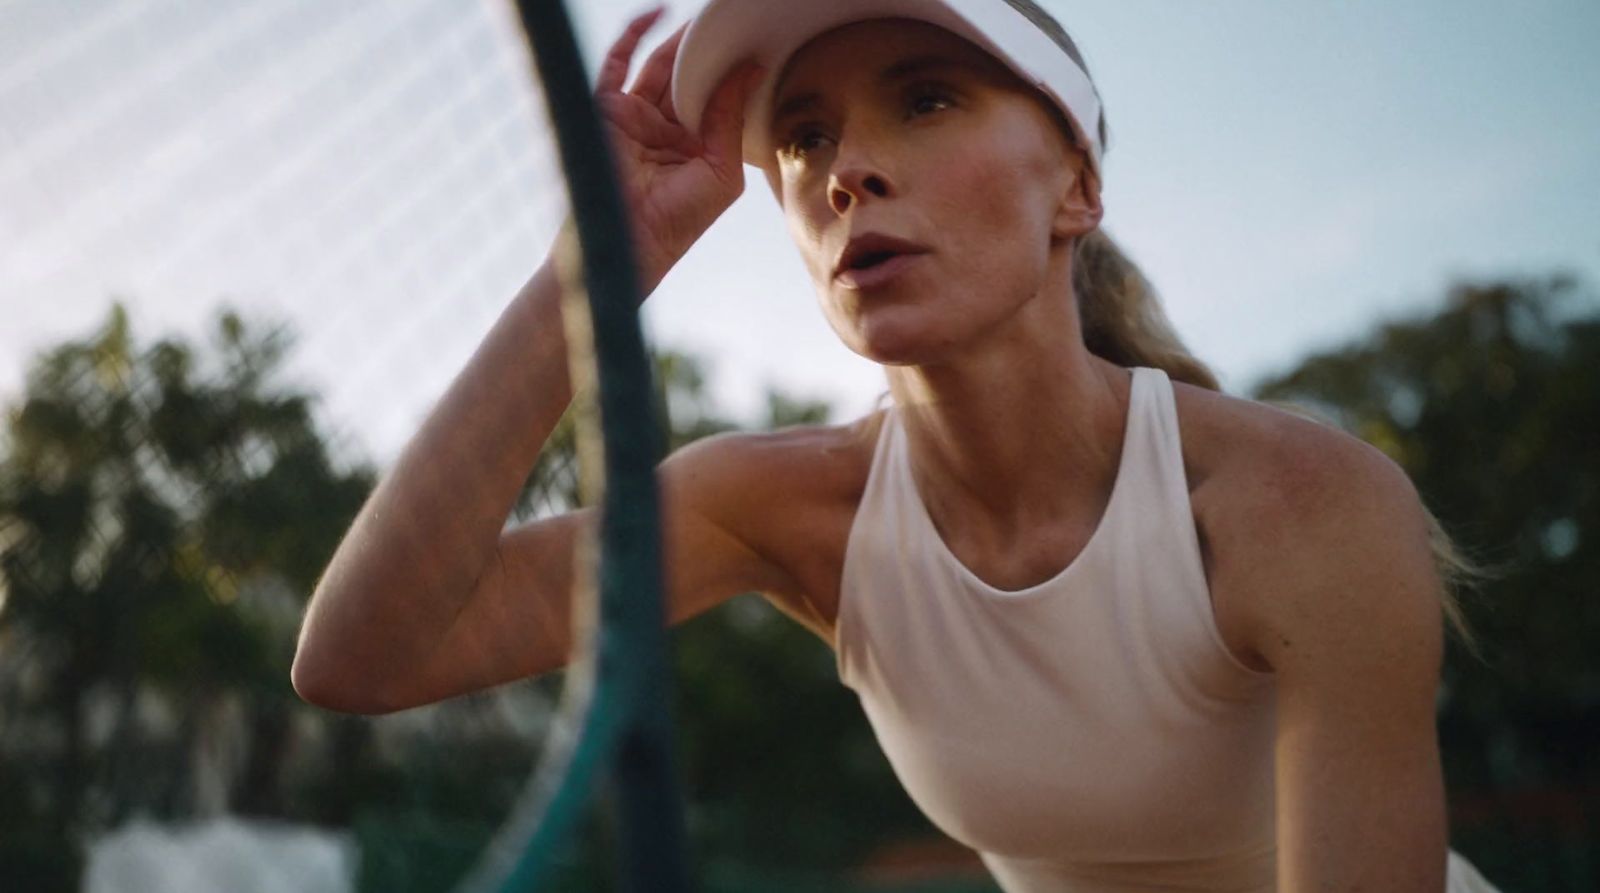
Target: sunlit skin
{"points": [[953, 152], [1014, 424]]}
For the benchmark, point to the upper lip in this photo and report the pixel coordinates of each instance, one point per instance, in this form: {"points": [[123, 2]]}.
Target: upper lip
{"points": [[873, 243]]}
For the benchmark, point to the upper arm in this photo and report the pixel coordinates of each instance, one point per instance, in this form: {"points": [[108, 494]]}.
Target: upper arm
{"points": [[518, 620], [717, 499], [1346, 608]]}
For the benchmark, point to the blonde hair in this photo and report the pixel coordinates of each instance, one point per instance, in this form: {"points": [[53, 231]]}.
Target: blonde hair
{"points": [[1121, 318], [1123, 322]]}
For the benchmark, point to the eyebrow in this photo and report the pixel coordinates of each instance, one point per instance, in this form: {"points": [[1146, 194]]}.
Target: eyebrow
{"points": [[905, 68]]}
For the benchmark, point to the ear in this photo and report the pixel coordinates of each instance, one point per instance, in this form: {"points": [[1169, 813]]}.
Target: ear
{"points": [[1079, 211]]}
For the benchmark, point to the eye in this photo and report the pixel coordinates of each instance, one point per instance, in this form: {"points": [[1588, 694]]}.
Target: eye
{"points": [[924, 99], [805, 139]]}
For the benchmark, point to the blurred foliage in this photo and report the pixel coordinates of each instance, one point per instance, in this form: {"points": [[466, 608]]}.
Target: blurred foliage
{"points": [[1492, 405], [163, 513], [165, 510]]}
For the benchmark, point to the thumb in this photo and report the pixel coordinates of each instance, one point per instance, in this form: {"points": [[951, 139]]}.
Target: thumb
{"points": [[722, 126]]}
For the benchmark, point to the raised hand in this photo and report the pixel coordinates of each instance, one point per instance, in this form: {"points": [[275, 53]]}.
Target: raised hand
{"points": [[675, 183]]}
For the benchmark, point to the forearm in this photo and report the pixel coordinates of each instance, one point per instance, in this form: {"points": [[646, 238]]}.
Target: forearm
{"points": [[430, 533], [410, 560]]}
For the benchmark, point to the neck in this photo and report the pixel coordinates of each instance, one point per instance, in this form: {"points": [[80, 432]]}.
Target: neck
{"points": [[1027, 425]]}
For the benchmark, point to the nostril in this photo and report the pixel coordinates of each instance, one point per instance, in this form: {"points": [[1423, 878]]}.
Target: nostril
{"points": [[844, 189]]}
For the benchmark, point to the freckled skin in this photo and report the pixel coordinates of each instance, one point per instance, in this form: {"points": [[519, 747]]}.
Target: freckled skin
{"points": [[976, 171]]}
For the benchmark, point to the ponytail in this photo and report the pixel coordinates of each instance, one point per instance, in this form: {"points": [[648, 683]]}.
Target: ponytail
{"points": [[1123, 322], [1121, 318]]}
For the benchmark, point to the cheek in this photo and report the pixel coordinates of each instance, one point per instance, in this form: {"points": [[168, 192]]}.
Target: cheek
{"points": [[1000, 200], [996, 223], [805, 229], [999, 247]]}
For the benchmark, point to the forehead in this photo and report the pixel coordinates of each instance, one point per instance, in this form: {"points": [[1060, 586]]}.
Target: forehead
{"points": [[880, 48]]}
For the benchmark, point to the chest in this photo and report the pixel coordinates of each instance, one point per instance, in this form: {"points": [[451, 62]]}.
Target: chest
{"points": [[1065, 721], [816, 551], [1017, 770]]}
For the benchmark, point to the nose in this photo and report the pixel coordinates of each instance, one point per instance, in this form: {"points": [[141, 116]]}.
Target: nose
{"points": [[854, 178]]}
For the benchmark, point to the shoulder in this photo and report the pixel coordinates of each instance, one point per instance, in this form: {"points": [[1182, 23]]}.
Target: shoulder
{"points": [[1313, 535], [1262, 461], [1246, 443], [803, 461], [786, 497]]}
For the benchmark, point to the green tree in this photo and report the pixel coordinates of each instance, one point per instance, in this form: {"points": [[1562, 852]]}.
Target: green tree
{"points": [[163, 512], [165, 509], [1492, 405]]}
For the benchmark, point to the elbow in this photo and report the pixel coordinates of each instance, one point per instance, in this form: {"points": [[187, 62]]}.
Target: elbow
{"points": [[330, 689], [336, 669]]}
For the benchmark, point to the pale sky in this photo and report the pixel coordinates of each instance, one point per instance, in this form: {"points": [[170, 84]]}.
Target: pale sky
{"points": [[378, 174]]}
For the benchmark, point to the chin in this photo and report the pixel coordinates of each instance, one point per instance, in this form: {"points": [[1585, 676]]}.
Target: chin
{"points": [[890, 344], [894, 330]]}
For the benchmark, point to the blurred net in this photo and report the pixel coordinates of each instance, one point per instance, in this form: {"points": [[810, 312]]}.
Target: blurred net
{"points": [[368, 172]]}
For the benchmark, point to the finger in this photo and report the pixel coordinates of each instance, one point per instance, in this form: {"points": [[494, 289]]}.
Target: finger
{"points": [[722, 127], [614, 70], [656, 75]]}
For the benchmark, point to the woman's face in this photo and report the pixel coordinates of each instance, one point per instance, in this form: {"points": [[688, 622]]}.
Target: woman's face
{"points": [[901, 129]]}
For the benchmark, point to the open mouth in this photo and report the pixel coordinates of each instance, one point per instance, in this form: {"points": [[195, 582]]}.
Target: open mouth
{"points": [[872, 259]]}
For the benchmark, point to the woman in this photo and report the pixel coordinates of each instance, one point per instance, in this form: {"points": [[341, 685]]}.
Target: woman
{"points": [[1105, 656]]}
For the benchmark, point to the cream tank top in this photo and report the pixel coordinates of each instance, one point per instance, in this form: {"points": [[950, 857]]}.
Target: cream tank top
{"points": [[1089, 733]]}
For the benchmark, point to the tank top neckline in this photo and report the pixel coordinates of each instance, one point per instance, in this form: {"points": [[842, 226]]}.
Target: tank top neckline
{"points": [[900, 458]]}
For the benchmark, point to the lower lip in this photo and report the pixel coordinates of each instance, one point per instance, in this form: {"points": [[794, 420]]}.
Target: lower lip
{"points": [[878, 275]]}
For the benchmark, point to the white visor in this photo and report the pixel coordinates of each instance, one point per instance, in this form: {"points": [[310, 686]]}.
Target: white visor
{"points": [[770, 31]]}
